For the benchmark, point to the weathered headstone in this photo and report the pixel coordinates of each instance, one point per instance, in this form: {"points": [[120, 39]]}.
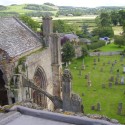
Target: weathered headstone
{"points": [[80, 72], [86, 76], [83, 65], [116, 81], [94, 67], [110, 85], [98, 107], [109, 62], [122, 80], [101, 70], [104, 64], [119, 108], [92, 107], [121, 58], [111, 79], [123, 69], [111, 70], [94, 61], [88, 80], [103, 85], [98, 59]]}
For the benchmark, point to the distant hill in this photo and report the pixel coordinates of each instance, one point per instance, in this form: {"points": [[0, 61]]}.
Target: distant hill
{"points": [[51, 9]]}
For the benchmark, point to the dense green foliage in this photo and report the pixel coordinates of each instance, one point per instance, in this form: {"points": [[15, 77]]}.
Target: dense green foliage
{"points": [[103, 31], [30, 22], [3, 7], [96, 45], [119, 40], [38, 7], [103, 26], [39, 14], [84, 51], [62, 27], [68, 52]]}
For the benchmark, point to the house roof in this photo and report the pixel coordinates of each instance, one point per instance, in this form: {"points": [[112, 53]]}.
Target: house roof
{"points": [[16, 38], [71, 36]]}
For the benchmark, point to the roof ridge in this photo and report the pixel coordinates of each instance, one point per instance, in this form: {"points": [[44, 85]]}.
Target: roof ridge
{"points": [[27, 28]]}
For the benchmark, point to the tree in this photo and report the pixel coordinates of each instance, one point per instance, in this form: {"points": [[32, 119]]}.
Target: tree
{"points": [[103, 31], [119, 40], [114, 17], [68, 52], [121, 17], [105, 20], [84, 51], [62, 27], [30, 22]]}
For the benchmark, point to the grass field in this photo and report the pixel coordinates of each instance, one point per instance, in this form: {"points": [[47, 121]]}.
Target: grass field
{"points": [[111, 47], [107, 97], [117, 30]]}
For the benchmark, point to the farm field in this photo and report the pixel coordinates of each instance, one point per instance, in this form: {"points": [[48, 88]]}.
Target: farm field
{"points": [[111, 95]]}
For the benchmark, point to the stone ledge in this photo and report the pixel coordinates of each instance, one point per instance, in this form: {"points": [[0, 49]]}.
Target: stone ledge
{"points": [[60, 117]]}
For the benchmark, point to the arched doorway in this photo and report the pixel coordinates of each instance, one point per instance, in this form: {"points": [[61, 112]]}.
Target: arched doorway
{"points": [[41, 81], [3, 91]]}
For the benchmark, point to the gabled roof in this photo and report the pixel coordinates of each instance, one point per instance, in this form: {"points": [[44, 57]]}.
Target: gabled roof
{"points": [[16, 38]]}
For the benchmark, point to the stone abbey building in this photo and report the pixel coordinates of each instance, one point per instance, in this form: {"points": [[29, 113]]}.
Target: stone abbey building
{"points": [[30, 67], [22, 55]]}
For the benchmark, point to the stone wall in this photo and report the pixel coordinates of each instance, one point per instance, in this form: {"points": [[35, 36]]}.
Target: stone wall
{"points": [[42, 59], [104, 53]]}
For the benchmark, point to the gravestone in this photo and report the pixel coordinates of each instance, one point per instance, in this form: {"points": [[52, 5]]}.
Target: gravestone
{"points": [[118, 75], [116, 81], [115, 61], [94, 61], [86, 76], [110, 85], [123, 69], [92, 107], [98, 59], [82, 94], [111, 79], [121, 58], [83, 65], [80, 72], [109, 62], [98, 107], [103, 85], [122, 80], [88, 80], [101, 70], [119, 108], [111, 70], [104, 64]]}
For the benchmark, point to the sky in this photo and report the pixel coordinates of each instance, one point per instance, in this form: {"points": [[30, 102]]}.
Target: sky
{"points": [[77, 3]]}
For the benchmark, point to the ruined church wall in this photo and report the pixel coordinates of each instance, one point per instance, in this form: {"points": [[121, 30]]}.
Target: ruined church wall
{"points": [[43, 60]]}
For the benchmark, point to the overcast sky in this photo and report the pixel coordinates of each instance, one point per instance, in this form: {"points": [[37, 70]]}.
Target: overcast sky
{"points": [[81, 3]]}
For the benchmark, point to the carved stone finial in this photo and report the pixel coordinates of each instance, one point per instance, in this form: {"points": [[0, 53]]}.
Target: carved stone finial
{"points": [[66, 75]]}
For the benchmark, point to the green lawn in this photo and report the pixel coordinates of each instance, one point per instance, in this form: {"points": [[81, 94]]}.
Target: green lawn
{"points": [[111, 47], [107, 97]]}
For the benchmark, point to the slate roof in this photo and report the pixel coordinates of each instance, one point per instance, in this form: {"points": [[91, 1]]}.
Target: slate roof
{"points": [[71, 36], [16, 38]]}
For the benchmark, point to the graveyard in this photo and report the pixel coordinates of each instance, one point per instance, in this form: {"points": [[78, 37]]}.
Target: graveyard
{"points": [[100, 81]]}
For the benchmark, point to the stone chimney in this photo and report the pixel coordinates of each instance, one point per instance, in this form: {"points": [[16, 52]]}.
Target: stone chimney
{"points": [[47, 29]]}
